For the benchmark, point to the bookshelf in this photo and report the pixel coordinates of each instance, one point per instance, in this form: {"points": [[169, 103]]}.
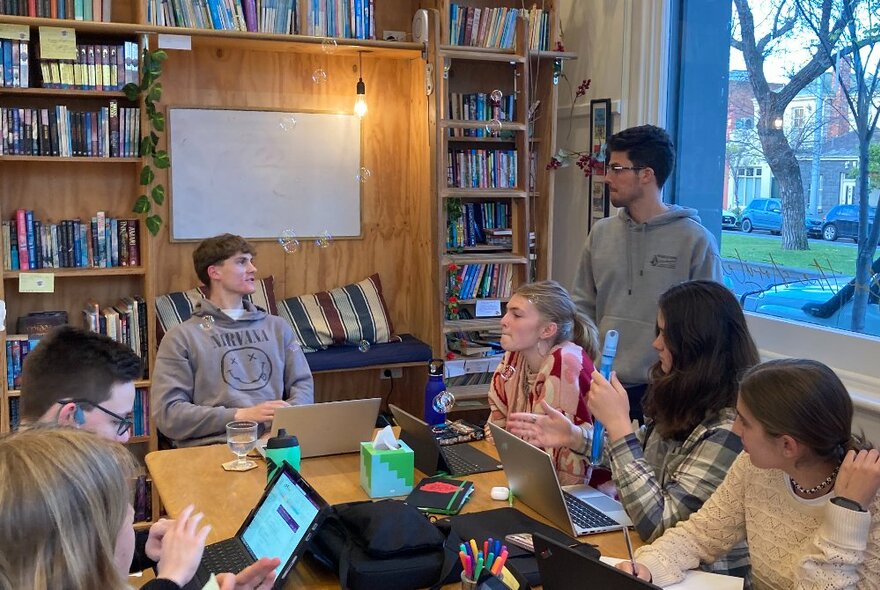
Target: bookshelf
{"points": [[54, 191], [243, 69], [477, 54]]}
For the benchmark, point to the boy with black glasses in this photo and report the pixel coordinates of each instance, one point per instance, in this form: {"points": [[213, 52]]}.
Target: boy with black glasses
{"points": [[631, 258]]}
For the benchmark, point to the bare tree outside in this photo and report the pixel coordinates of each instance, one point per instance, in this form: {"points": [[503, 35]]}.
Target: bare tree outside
{"points": [[757, 41], [857, 44]]}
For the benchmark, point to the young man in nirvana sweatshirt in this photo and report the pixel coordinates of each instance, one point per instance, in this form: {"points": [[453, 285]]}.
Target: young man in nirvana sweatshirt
{"points": [[230, 360], [630, 259]]}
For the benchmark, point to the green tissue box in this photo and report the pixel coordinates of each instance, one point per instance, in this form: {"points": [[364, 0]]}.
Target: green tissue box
{"points": [[386, 472]]}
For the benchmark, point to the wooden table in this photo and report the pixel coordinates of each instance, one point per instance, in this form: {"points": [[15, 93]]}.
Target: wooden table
{"points": [[194, 476]]}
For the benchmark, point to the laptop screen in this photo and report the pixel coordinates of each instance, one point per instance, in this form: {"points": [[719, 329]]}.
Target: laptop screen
{"points": [[281, 521]]}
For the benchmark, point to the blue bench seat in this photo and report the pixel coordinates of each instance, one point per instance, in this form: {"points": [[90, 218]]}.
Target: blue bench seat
{"points": [[409, 351]]}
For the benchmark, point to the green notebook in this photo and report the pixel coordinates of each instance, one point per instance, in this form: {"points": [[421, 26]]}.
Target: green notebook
{"points": [[440, 495]]}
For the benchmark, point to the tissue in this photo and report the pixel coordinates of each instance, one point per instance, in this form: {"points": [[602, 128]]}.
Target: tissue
{"points": [[385, 440]]}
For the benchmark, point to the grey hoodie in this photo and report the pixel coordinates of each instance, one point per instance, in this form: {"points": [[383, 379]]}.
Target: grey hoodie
{"points": [[624, 269], [203, 375]]}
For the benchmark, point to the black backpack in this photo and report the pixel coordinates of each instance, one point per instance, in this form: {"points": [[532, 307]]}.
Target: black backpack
{"points": [[391, 545]]}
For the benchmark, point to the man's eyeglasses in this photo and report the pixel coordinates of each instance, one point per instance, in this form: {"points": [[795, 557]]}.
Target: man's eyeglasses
{"points": [[124, 422], [617, 168]]}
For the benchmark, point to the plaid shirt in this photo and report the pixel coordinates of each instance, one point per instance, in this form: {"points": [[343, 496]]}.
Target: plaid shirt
{"points": [[661, 481]]}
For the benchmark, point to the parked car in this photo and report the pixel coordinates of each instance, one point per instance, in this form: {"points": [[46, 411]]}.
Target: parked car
{"points": [[842, 221], [728, 220], [766, 214], [824, 302]]}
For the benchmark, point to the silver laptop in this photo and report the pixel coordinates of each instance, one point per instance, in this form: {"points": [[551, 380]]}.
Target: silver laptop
{"points": [[329, 428], [531, 477]]}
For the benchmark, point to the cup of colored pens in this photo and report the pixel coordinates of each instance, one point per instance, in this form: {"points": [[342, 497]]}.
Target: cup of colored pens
{"points": [[481, 561]]}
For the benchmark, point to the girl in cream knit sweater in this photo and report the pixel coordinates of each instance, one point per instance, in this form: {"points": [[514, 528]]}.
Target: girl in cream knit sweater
{"points": [[804, 495]]}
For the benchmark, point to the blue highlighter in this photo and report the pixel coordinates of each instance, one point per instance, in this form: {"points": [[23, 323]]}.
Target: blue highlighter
{"points": [[609, 350]]}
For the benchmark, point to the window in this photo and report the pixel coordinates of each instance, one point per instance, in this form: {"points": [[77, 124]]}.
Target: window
{"points": [[798, 117], [755, 262]]}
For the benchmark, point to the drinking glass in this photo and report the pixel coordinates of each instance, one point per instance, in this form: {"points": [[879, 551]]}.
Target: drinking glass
{"points": [[241, 436]]}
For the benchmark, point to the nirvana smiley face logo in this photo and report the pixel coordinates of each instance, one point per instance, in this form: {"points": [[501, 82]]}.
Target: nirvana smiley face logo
{"points": [[246, 369]]}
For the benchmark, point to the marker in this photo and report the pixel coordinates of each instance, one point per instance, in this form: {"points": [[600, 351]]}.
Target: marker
{"points": [[608, 353]]}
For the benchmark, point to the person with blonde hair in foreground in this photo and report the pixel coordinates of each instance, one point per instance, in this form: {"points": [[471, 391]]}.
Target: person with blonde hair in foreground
{"points": [[803, 494], [66, 519]]}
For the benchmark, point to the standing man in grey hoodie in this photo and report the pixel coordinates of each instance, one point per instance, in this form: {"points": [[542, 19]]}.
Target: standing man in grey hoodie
{"points": [[630, 259], [231, 360]]}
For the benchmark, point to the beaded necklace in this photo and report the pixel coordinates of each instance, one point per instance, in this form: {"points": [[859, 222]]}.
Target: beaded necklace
{"points": [[817, 488]]}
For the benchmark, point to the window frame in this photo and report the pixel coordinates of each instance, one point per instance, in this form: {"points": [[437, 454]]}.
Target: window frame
{"points": [[852, 355]]}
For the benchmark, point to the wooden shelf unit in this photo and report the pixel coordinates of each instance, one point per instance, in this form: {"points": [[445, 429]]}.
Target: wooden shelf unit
{"points": [[528, 75]]}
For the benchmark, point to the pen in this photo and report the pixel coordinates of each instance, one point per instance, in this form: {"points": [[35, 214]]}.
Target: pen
{"points": [[629, 549]]}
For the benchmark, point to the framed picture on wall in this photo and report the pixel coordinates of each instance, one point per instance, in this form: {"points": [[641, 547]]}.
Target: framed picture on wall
{"points": [[600, 129]]}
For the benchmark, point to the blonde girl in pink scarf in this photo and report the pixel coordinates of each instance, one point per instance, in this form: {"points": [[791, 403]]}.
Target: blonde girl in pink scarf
{"points": [[550, 348]]}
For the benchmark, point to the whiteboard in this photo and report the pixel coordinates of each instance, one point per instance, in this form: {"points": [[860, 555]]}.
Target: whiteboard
{"points": [[259, 173]]}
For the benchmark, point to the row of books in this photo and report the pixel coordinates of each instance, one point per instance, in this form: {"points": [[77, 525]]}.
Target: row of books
{"points": [[481, 223], [479, 106], [125, 322], [140, 414], [14, 64], [101, 242], [96, 67], [496, 27], [478, 168], [111, 132], [91, 10], [483, 281], [352, 19], [17, 348]]}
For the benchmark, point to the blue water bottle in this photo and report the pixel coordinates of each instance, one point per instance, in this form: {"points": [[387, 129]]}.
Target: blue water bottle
{"points": [[608, 352], [435, 386]]}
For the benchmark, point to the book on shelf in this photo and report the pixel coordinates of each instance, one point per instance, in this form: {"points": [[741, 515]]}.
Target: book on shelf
{"points": [[496, 27], [14, 417], [466, 347], [352, 19], [124, 322], [481, 168], [14, 63], [140, 415], [58, 131], [143, 499], [478, 106], [482, 280], [107, 67], [32, 244]]}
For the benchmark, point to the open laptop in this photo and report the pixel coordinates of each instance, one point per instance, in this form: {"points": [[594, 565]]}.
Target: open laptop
{"points": [[562, 568], [281, 524], [431, 457], [531, 477], [329, 428]]}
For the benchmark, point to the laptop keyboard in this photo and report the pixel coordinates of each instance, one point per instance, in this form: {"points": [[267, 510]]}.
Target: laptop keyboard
{"points": [[225, 556], [585, 516], [458, 464]]}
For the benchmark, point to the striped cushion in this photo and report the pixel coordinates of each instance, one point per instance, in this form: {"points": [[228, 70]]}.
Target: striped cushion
{"points": [[345, 315], [176, 308]]}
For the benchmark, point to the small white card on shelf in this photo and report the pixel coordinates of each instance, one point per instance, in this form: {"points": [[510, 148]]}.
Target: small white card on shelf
{"points": [[183, 42], [36, 282], [488, 308], [57, 43]]}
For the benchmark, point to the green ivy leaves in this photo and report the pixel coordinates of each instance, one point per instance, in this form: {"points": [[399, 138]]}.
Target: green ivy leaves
{"points": [[151, 90]]}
